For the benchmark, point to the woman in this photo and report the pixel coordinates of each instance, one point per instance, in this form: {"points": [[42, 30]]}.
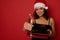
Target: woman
{"points": [[40, 21]]}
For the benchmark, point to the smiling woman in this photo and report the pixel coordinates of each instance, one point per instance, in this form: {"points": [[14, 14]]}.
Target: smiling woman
{"points": [[41, 26]]}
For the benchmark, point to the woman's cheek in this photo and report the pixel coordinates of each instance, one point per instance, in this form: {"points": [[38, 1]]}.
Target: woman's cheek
{"points": [[40, 14]]}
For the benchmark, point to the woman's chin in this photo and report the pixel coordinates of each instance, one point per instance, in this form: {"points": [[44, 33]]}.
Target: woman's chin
{"points": [[40, 15]]}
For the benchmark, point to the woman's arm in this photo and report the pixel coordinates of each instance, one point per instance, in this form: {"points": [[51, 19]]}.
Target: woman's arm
{"points": [[53, 26]]}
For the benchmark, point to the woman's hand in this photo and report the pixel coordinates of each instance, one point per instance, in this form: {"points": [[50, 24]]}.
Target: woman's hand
{"points": [[28, 26], [50, 32]]}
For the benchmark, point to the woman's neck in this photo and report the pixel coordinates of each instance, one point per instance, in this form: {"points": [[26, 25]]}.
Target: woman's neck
{"points": [[41, 17]]}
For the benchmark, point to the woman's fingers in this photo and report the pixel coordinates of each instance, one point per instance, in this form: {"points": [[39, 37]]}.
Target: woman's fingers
{"points": [[28, 26], [50, 32]]}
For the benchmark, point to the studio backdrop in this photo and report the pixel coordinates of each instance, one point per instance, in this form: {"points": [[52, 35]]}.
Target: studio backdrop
{"points": [[14, 13]]}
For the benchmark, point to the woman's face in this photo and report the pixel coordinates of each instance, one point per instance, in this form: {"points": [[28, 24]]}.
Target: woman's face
{"points": [[39, 11]]}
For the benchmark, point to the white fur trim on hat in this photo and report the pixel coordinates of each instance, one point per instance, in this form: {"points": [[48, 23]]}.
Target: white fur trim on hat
{"points": [[39, 4]]}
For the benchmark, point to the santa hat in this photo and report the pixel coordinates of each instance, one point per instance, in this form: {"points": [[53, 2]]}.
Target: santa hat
{"points": [[41, 3]]}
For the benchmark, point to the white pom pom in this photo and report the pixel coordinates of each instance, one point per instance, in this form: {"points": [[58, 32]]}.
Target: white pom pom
{"points": [[46, 8]]}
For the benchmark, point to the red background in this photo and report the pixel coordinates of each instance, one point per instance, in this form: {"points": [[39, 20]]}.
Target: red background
{"points": [[15, 12]]}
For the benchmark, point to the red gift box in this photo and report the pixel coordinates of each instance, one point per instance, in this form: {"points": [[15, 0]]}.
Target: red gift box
{"points": [[38, 35]]}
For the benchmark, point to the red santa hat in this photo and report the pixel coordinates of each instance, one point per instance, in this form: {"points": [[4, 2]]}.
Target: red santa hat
{"points": [[41, 3]]}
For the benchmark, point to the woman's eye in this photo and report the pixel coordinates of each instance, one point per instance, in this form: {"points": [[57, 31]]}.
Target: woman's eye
{"points": [[41, 8], [36, 9]]}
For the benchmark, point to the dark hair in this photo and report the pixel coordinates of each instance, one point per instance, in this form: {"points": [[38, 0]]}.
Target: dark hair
{"points": [[45, 15], [35, 16]]}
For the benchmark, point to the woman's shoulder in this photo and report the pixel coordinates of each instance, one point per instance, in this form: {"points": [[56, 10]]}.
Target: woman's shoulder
{"points": [[51, 20]]}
